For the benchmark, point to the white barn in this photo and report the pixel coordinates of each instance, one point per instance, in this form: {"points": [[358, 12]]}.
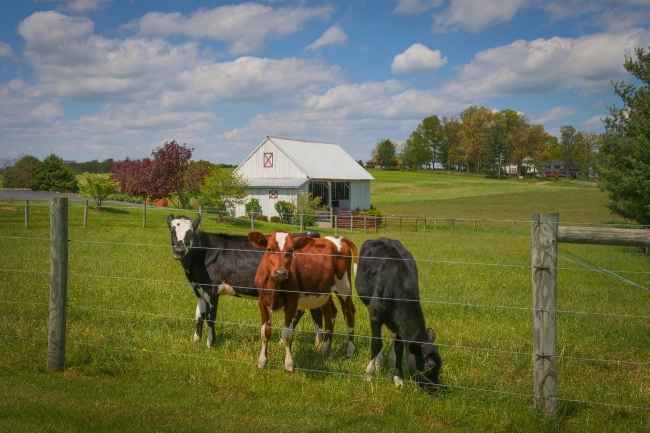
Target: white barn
{"points": [[281, 167]]}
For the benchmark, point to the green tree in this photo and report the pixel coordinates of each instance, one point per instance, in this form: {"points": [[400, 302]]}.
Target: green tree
{"points": [[286, 210], [307, 206], [253, 207], [384, 152], [20, 172], [624, 171], [223, 190], [53, 175], [98, 187], [415, 151], [495, 151], [570, 144]]}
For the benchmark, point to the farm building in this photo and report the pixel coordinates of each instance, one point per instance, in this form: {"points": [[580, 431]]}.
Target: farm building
{"points": [[280, 168]]}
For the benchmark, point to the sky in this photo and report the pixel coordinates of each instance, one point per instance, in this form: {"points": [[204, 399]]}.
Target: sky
{"points": [[99, 79]]}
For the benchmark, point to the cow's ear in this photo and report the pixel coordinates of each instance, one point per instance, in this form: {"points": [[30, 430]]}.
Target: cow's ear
{"points": [[170, 218], [303, 244], [431, 334], [197, 222], [257, 239], [415, 348]]}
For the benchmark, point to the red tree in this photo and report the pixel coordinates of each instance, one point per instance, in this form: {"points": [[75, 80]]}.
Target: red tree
{"points": [[133, 176], [169, 173]]}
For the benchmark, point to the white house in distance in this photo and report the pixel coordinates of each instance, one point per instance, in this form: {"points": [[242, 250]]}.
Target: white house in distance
{"points": [[281, 167]]}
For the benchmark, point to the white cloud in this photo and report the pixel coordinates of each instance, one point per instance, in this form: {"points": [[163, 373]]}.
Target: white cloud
{"points": [[595, 123], [554, 114], [418, 59], [5, 50], [588, 63], [332, 36], [83, 6], [408, 7], [245, 27], [473, 16], [73, 64]]}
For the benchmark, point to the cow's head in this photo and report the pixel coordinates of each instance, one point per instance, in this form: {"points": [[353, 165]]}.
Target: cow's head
{"points": [[280, 249], [425, 363], [182, 230]]}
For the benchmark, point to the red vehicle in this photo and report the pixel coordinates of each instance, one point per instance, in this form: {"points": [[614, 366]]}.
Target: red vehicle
{"points": [[553, 175]]}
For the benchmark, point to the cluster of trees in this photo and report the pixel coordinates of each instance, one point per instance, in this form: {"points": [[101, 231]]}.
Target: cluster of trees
{"points": [[29, 172], [171, 174], [93, 166], [484, 141]]}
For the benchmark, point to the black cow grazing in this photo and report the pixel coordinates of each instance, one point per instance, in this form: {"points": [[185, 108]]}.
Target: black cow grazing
{"points": [[218, 264], [387, 282]]}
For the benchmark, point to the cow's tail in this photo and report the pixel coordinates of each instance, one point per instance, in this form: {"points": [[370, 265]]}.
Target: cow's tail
{"points": [[354, 254]]}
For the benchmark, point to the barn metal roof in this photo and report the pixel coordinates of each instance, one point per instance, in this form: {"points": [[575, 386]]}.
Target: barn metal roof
{"points": [[319, 160], [277, 183]]}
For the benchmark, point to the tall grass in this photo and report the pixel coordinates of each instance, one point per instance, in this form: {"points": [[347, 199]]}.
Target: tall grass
{"points": [[131, 364]]}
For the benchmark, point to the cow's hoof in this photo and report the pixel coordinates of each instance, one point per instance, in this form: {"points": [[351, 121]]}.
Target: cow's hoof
{"points": [[398, 381], [351, 349], [261, 363], [326, 348], [368, 378], [197, 337], [289, 371]]}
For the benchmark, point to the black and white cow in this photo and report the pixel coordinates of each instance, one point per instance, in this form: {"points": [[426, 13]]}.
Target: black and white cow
{"points": [[387, 283], [218, 264]]}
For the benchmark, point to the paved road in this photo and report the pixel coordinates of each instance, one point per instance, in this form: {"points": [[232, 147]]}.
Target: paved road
{"points": [[39, 195]]}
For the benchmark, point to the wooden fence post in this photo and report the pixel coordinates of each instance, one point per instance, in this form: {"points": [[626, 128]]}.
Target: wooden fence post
{"points": [[453, 221], [144, 214], [376, 227], [417, 220], [544, 275], [435, 224], [425, 225], [336, 225], [365, 224], [86, 214], [514, 227], [200, 215], [302, 223], [253, 222], [26, 214], [400, 224], [58, 282], [474, 226]]}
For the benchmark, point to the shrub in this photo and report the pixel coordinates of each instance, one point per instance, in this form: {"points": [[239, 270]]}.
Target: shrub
{"points": [[243, 217], [124, 197], [99, 187], [275, 219], [286, 211], [253, 206], [262, 218]]}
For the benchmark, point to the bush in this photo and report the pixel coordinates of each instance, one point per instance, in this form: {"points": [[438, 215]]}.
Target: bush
{"points": [[99, 187], [275, 219], [243, 217], [54, 175], [124, 197], [253, 206], [262, 218], [286, 211]]}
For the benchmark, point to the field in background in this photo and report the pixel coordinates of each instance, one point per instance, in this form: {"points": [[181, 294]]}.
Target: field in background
{"points": [[131, 364]]}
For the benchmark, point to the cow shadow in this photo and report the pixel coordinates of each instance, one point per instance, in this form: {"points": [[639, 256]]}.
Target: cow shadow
{"points": [[110, 210]]}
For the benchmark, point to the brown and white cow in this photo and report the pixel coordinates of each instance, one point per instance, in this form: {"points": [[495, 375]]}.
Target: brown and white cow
{"points": [[302, 273]]}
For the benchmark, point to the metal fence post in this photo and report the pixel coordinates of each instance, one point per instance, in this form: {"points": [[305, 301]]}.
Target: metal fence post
{"points": [[417, 220], [144, 214], [376, 226], [86, 214], [302, 224], [58, 282], [544, 277], [26, 214], [252, 221], [200, 215], [336, 225]]}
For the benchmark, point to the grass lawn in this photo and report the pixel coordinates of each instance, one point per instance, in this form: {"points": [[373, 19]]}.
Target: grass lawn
{"points": [[131, 364]]}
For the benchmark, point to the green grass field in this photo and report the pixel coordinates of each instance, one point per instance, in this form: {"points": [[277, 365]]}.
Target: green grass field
{"points": [[131, 364]]}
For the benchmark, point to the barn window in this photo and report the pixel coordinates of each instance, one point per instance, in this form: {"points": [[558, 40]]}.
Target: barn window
{"points": [[268, 159], [273, 193]]}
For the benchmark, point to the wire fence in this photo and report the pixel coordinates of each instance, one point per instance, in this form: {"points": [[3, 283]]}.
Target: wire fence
{"points": [[583, 265]]}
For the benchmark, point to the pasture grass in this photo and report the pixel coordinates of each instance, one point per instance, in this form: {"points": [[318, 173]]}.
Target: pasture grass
{"points": [[131, 364]]}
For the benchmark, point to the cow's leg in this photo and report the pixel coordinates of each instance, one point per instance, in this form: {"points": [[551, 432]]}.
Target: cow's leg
{"points": [[212, 302], [200, 311], [287, 331], [348, 315], [317, 316], [265, 314], [391, 354], [375, 347], [398, 345], [328, 321]]}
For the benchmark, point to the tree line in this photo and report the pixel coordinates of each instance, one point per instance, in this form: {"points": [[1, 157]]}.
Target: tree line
{"points": [[484, 141]]}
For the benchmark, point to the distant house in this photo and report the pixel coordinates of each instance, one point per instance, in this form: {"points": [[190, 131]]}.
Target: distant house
{"points": [[280, 168], [551, 168]]}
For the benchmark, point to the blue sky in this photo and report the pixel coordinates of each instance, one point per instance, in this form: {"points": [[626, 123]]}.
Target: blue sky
{"points": [[97, 79]]}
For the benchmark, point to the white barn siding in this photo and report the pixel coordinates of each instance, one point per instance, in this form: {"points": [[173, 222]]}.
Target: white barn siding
{"points": [[268, 204], [359, 194], [283, 167]]}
